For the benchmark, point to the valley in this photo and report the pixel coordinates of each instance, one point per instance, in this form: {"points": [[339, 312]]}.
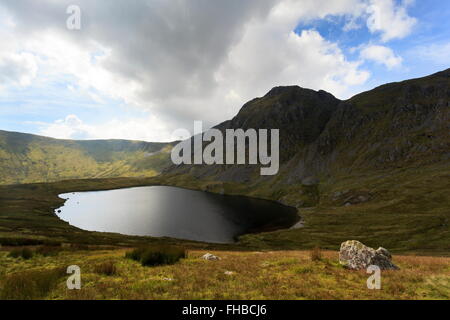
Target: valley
{"points": [[374, 168]]}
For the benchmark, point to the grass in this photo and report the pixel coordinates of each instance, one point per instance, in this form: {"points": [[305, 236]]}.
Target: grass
{"points": [[107, 268], [255, 275], [408, 212], [28, 285], [407, 209], [315, 254], [48, 251], [24, 253], [157, 255]]}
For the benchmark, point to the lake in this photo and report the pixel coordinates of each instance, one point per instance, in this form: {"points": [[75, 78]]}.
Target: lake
{"points": [[160, 211]]}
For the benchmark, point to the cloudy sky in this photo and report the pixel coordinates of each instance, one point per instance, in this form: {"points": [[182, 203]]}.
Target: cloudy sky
{"points": [[139, 69]]}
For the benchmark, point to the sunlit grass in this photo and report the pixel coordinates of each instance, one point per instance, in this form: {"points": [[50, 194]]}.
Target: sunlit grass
{"points": [[254, 275]]}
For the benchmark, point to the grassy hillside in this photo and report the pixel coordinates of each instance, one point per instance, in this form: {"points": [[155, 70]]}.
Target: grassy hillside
{"points": [[405, 210], [26, 158]]}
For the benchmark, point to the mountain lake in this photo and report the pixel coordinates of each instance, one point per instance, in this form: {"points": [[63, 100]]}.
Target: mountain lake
{"points": [[161, 211]]}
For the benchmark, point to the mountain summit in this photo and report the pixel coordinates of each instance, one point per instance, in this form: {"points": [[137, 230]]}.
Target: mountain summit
{"points": [[394, 125]]}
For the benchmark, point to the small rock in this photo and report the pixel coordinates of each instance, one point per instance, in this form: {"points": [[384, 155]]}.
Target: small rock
{"points": [[310, 181], [167, 279], [363, 199], [229, 273], [298, 225], [356, 256], [210, 256]]}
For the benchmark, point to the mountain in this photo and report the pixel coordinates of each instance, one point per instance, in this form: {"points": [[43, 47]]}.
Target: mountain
{"points": [[375, 167], [395, 125], [26, 158]]}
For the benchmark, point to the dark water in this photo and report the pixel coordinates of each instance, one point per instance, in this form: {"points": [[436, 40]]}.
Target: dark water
{"points": [[173, 212]]}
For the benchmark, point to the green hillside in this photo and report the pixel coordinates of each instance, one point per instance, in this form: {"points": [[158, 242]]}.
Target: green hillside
{"points": [[26, 158]]}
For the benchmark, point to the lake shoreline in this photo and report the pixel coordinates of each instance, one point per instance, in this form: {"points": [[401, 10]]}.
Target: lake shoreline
{"points": [[209, 218], [27, 217]]}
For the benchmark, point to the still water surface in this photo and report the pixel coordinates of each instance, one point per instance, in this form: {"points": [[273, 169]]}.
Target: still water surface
{"points": [[161, 211]]}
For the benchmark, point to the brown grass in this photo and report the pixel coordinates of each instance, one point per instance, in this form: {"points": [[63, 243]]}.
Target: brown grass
{"points": [[315, 254], [255, 275], [107, 268], [30, 285]]}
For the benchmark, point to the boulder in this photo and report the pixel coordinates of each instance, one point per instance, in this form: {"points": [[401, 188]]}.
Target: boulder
{"points": [[209, 256], [356, 256]]}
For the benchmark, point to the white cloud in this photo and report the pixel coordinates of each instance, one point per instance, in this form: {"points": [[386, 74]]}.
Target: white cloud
{"points": [[17, 69], [381, 55], [391, 20], [189, 60], [72, 127], [306, 59]]}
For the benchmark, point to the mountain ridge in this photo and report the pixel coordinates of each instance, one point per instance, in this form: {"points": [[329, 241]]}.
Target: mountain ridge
{"points": [[314, 128], [27, 158], [315, 125]]}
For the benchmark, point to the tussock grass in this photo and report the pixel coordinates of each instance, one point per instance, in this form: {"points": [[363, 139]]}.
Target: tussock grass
{"points": [[107, 268], [24, 253], [315, 254], [30, 285], [48, 251], [157, 255]]}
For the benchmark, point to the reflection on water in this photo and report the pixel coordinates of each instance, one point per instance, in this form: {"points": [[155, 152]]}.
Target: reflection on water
{"points": [[160, 211]]}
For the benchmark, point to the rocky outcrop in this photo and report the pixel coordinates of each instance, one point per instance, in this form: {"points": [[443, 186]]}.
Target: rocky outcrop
{"points": [[356, 256]]}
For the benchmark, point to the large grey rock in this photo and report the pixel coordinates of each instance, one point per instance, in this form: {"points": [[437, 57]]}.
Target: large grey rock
{"points": [[356, 256]]}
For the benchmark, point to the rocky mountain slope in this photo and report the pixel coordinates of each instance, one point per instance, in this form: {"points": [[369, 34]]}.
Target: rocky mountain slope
{"points": [[26, 158], [393, 126]]}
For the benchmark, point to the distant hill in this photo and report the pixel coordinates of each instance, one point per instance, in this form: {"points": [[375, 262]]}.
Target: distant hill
{"points": [[26, 158]]}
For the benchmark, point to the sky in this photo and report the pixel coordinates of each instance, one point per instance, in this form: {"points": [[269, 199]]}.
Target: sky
{"points": [[141, 69]]}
